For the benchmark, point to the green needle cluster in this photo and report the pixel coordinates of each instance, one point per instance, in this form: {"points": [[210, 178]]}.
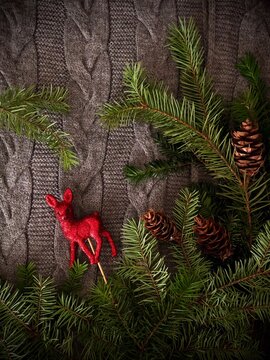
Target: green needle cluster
{"points": [[145, 311], [198, 307], [25, 112]]}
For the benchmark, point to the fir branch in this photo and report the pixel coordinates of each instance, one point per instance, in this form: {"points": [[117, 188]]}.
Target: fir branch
{"points": [[154, 169], [261, 249], [244, 280], [25, 275], [250, 201], [73, 313], [249, 69], [176, 311], [48, 340], [235, 308], [156, 327], [248, 273], [103, 345], [171, 151], [143, 264], [184, 42], [253, 103], [47, 98], [227, 287], [51, 98], [73, 282], [67, 346], [186, 209], [20, 112], [13, 345], [175, 120], [216, 345], [118, 307], [13, 309], [168, 310], [245, 106], [42, 299], [210, 203]]}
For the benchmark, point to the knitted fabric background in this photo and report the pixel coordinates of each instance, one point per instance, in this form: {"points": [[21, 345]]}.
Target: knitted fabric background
{"points": [[84, 45]]}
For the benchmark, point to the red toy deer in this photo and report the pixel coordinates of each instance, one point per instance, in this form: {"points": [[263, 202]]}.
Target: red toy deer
{"points": [[78, 231]]}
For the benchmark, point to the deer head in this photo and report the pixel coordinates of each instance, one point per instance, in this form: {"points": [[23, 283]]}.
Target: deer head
{"points": [[63, 209]]}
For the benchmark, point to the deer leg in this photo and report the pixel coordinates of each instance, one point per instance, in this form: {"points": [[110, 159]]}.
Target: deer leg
{"points": [[98, 247], [72, 253], [87, 252], [107, 235]]}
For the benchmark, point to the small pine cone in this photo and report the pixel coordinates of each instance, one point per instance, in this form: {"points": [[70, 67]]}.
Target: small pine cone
{"points": [[161, 226], [248, 146], [213, 238]]}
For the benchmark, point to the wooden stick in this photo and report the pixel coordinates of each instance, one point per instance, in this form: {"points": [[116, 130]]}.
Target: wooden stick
{"points": [[98, 264]]}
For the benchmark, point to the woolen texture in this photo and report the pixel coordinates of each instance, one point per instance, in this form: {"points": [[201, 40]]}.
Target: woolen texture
{"points": [[84, 45]]}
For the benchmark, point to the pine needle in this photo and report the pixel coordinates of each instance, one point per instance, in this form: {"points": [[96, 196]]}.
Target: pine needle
{"points": [[22, 112]]}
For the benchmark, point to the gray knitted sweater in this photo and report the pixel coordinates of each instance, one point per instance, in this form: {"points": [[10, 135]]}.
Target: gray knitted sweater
{"points": [[84, 46]]}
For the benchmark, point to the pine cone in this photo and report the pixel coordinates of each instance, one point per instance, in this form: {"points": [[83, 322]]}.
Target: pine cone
{"points": [[213, 238], [161, 226], [248, 148]]}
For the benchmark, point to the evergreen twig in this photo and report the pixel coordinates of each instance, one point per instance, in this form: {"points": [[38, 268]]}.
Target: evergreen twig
{"points": [[22, 112], [154, 169], [142, 309], [73, 283], [253, 103]]}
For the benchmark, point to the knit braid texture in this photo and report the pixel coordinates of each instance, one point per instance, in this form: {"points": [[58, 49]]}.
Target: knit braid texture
{"points": [[84, 46]]}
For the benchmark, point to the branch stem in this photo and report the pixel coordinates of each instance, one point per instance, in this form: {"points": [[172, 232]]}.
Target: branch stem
{"points": [[248, 209]]}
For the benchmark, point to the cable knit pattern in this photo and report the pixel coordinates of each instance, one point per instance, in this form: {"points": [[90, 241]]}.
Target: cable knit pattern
{"points": [[153, 18], [121, 50], [51, 68], [84, 45], [223, 38], [17, 67], [88, 63]]}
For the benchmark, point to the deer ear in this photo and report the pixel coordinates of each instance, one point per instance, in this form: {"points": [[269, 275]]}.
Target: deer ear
{"points": [[68, 196], [51, 201]]}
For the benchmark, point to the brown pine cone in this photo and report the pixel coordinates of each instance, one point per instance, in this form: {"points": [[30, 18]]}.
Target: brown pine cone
{"points": [[161, 226], [213, 238], [248, 146]]}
